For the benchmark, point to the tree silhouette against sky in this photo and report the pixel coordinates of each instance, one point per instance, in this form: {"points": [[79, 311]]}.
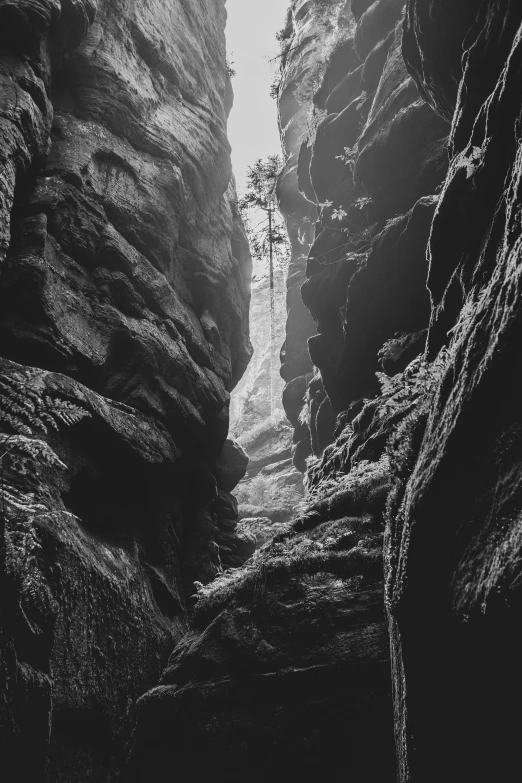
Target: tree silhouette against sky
{"points": [[265, 229]]}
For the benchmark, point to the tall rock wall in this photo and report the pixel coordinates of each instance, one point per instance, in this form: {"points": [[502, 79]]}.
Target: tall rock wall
{"points": [[414, 167], [124, 288], [370, 160], [303, 60], [454, 564]]}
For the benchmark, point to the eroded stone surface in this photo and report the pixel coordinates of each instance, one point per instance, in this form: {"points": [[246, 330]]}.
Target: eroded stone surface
{"points": [[124, 287], [285, 673], [93, 559], [371, 159], [460, 560]]}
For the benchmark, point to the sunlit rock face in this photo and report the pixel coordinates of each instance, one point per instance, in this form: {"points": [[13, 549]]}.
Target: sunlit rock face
{"points": [[300, 53], [272, 487], [370, 159], [124, 287]]}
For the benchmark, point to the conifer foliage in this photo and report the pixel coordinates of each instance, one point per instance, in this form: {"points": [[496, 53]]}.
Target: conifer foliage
{"points": [[267, 235]]}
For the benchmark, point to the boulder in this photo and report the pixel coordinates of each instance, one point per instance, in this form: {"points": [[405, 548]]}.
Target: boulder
{"points": [[231, 466]]}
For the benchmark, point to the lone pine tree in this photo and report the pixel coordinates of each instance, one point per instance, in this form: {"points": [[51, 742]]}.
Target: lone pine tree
{"points": [[268, 238]]}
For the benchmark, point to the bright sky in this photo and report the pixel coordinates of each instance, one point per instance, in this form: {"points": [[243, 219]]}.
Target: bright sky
{"points": [[252, 128]]}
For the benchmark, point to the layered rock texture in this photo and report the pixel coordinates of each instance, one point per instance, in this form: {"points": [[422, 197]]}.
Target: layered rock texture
{"points": [[370, 157], [460, 560], [300, 215], [427, 268], [124, 287]]}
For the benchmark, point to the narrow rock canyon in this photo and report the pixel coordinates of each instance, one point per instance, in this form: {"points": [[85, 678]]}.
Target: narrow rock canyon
{"points": [[301, 564]]}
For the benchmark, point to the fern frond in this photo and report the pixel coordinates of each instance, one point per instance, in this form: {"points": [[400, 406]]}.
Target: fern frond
{"points": [[15, 423], [28, 413], [414, 383], [68, 412], [20, 501], [48, 420], [36, 449]]}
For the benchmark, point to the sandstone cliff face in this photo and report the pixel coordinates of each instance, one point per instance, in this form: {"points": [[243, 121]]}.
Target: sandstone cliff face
{"points": [[300, 214], [371, 161], [124, 287], [454, 540]]}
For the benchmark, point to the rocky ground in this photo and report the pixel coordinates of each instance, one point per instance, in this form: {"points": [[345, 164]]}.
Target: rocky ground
{"points": [[285, 672]]}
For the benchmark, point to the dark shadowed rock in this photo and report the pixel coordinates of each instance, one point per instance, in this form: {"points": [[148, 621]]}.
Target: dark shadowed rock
{"points": [[293, 398], [285, 673], [83, 572], [433, 39], [124, 289], [231, 465], [453, 568]]}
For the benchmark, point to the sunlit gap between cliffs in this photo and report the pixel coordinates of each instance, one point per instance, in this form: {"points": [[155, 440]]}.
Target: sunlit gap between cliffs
{"points": [[253, 61]]}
